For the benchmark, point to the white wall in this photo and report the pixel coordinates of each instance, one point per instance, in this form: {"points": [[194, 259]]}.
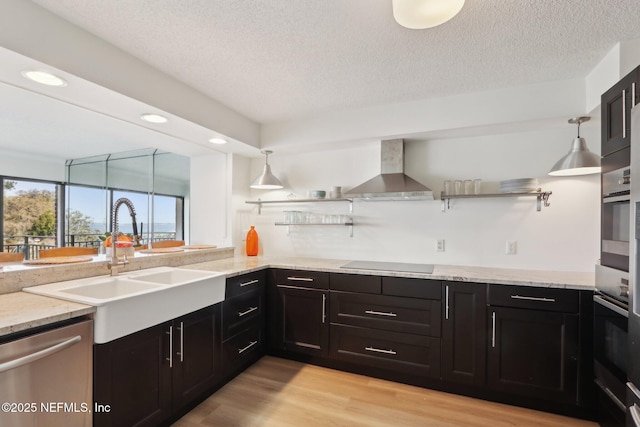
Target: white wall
{"points": [[564, 236], [210, 195], [18, 166]]}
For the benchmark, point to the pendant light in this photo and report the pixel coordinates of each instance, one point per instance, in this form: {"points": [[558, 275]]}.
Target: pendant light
{"points": [[266, 180], [421, 14], [579, 160]]}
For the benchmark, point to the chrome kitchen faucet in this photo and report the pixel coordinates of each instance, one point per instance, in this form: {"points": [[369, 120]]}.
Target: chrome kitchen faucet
{"points": [[114, 232]]}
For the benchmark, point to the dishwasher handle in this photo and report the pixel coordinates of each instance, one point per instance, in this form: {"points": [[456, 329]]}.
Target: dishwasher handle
{"points": [[30, 358]]}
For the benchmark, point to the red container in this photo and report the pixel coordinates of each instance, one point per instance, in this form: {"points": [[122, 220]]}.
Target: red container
{"points": [[252, 242]]}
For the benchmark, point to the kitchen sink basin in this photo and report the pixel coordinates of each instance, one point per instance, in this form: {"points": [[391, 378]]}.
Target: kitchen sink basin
{"points": [[109, 289], [134, 301]]}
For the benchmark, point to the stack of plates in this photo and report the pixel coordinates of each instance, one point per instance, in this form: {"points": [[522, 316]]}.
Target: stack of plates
{"points": [[520, 185]]}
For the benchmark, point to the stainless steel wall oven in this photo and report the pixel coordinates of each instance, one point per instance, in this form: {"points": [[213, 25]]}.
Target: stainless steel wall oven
{"points": [[611, 312], [615, 224]]}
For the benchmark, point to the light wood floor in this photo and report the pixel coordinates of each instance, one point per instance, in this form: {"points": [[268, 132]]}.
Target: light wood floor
{"points": [[283, 393]]}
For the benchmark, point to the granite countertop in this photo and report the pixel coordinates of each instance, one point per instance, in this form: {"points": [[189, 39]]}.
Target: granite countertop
{"points": [[21, 310], [540, 278]]}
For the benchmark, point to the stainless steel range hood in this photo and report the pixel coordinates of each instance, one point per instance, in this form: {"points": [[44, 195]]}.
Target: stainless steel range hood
{"points": [[392, 183]]}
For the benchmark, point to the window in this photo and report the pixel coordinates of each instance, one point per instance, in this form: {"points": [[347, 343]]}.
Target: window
{"points": [[86, 215], [168, 213], [42, 214], [29, 215]]}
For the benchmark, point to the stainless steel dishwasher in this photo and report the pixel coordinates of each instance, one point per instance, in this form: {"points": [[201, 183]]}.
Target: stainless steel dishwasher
{"points": [[46, 378]]}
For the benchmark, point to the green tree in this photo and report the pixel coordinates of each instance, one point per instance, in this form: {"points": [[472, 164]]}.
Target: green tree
{"points": [[22, 210], [78, 224], [9, 185], [44, 225]]}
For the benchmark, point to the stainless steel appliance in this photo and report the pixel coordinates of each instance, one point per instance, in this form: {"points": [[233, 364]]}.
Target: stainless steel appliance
{"points": [[392, 183], [615, 223], [46, 378], [389, 266], [611, 312], [633, 394]]}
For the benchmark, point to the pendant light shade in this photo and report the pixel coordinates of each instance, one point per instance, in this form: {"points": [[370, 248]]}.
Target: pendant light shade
{"points": [[579, 160], [421, 14], [266, 180]]}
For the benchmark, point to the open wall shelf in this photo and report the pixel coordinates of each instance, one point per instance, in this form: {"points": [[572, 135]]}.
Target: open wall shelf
{"points": [[260, 203], [542, 198]]}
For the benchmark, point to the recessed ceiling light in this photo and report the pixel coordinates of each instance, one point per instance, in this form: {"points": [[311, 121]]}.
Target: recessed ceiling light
{"points": [[218, 141], [45, 78], [154, 118]]}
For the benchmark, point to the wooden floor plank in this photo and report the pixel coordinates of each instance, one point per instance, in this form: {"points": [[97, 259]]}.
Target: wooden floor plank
{"points": [[283, 393]]}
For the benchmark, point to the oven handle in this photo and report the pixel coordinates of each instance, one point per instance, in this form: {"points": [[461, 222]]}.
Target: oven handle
{"points": [[615, 199], [611, 306], [635, 414], [612, 396]]}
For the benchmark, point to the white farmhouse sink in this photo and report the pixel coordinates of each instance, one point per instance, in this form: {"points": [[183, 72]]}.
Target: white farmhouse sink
{"points": [[110, 289], [134, 301]]}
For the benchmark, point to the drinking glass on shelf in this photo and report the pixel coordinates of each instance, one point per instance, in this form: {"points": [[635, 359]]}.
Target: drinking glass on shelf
{"points": [[457, 185], [476, 186], [447, 187], [468, 186]]}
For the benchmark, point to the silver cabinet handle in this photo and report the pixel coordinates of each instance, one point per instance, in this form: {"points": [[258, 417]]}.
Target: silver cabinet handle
{"points": [[381, 313], [244, 313], [533, 298], [624, 114], [379, 350], [250, 282], [446, 303], [300, 279], [493, 329], [170, 358], [251, 344], [181, 352], [635, 414], [324, 307], [29, 358]]}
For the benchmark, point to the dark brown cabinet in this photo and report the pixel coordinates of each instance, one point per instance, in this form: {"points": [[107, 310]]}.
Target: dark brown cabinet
{"points": [[391, 324], [464, 332], [534, 342], [243, 322], [300, 312], [195, 358], [616, 104], [148, 376]]}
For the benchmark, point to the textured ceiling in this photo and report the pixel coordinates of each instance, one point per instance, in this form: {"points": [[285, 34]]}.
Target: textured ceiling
{"points": [[275, 60]]}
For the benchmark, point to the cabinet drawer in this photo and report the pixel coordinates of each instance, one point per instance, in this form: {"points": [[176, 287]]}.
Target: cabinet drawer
{"points": [[408, 315], [242, 349], [244, 283], [413, 288], [406, 353], [356, 283], [240, 312], [302, 278], [564, 300]]}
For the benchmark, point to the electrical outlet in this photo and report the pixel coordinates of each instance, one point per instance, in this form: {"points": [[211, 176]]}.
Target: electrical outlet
{"points": [[512, 247], [440, 245]]}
